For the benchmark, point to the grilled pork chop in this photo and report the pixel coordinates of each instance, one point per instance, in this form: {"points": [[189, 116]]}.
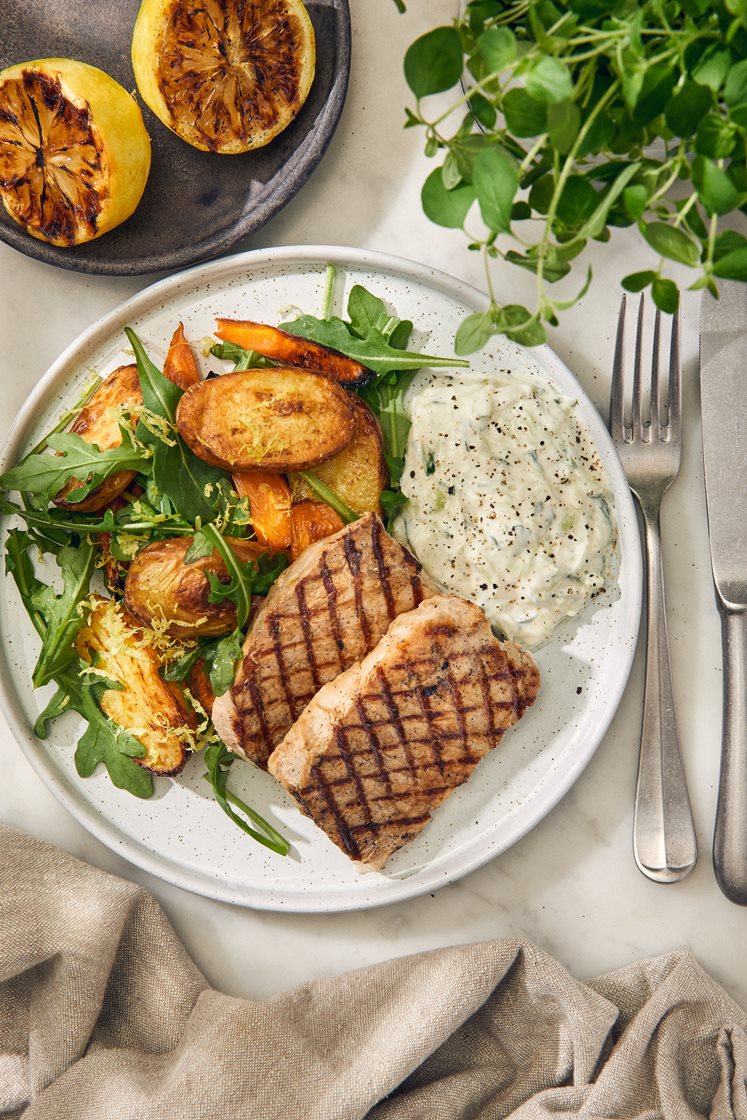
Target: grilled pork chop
{"points": [[378, 749], [324, 613]]}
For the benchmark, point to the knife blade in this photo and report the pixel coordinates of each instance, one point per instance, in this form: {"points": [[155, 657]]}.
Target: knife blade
{"points": [[723, 388]]}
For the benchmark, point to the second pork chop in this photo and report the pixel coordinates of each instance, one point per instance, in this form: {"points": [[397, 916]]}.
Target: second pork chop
{"points": [[322, 615], [379, 748]]}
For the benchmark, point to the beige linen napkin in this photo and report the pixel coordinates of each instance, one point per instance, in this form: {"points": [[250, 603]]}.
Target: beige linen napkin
{"points": [[103, 1016]]}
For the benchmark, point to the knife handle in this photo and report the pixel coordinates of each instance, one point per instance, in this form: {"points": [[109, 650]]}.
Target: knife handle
{"points": [[664, 841], [730, 837]]}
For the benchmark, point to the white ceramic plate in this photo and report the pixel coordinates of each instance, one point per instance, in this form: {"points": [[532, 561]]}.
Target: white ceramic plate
{"points": [[181, 834]]}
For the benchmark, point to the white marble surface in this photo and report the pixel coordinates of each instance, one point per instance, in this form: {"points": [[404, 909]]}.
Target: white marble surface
{"points": [[571, 885]]}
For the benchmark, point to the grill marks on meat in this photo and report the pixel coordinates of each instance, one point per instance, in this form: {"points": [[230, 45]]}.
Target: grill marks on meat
{"points": [[324, 613], [383, 745]]}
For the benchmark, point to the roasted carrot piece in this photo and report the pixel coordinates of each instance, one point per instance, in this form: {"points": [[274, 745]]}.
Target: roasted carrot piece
{"points": [[312, 521], [180, 365], [272, 342], [270, 504]]}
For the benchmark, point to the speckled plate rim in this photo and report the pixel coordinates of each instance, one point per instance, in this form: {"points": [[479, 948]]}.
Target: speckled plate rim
{"points": [[89, 817]]}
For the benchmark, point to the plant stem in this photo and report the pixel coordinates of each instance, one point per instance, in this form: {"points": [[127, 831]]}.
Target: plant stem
{"points": [[329, 287], [538, 145], [328, 495], [70, 415], [565, 173]]}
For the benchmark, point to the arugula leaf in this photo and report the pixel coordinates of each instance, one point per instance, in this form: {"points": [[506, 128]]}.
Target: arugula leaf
{"points": [[218, 761], [373, 351], [160, 396], [40, 473], [180, 669], [103, 741], [187, 481], [369, 335], [387, 398], [147, 520], [221, 661], [66, 417], [19, 566], [392, 501], [369, 313], [60, 612], [247, 577], [57, 706]]}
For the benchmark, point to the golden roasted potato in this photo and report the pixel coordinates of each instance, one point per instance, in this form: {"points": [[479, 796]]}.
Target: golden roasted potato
{"points": [[357, 473], [98, 422], [294, 351], [278, 419], [161, 587], [149, 708]]}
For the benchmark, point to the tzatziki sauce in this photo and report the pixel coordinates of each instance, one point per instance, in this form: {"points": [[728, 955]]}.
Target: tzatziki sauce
{"points": [[508, 503]]}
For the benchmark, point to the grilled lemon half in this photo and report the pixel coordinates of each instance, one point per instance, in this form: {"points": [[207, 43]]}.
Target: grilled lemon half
{"points": [[224, 75], [74, 152]]}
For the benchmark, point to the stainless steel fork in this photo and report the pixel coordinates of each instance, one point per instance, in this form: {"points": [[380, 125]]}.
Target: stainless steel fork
{"points": [[649, 447]]}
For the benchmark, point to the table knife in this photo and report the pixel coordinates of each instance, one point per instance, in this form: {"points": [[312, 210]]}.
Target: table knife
{"points": [[723, 387]]}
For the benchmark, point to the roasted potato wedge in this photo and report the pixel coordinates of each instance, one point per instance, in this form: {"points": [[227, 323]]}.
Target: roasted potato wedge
{"points": [[270, 505], [161, 587], [180, 365], [98, 423], [312, 521], [281, 346], [149, 708], [357, 473], [270, 419], [200, 686]]}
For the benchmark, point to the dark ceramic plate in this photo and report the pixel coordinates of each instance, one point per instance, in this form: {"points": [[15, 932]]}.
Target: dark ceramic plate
{"points": [[196, 204]]}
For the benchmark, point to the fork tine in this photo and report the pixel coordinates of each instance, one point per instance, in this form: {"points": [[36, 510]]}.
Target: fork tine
{"points": [[675, 387], [637, 380], [616, 424], [656, 401]]}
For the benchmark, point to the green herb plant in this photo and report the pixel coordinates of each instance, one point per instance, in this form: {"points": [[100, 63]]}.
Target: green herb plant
{"points": [[578, 117]]}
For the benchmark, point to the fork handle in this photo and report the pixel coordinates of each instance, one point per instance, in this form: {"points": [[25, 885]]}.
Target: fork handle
{"points": [[730, 838], [664, 839]]}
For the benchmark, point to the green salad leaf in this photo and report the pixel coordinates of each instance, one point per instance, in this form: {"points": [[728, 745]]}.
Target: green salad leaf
{"points": [[218, 761], [61, 613], [246, 578], [55, 619], [104, 741], [44, 475], [367, 336]]}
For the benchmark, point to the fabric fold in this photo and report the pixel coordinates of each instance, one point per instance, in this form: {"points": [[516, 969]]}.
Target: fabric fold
{"points": [[103, 1016]]}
